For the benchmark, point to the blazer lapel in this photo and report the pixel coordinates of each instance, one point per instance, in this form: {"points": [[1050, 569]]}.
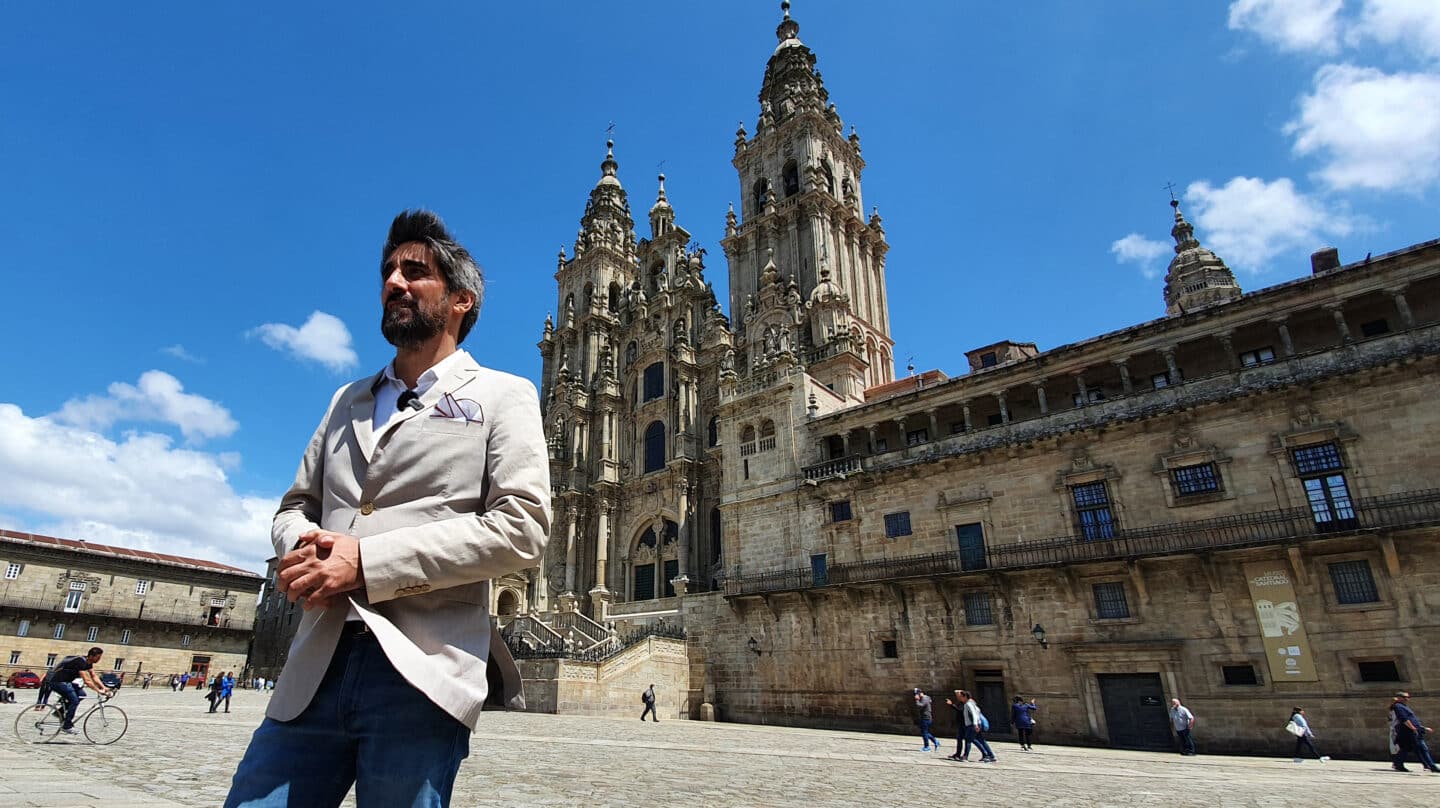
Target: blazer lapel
{"points": [[454, 380], [362, 419]]}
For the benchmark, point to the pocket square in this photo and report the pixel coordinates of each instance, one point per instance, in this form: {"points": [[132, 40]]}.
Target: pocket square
{"points": [[465, 410]]}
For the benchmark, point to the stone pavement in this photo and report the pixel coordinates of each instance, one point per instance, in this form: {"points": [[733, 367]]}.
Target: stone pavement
{"points": [[176, 754]]}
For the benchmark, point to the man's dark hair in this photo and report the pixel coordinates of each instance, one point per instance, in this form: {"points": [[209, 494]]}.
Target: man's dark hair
{"points": [[457, 266], [95, 650]]}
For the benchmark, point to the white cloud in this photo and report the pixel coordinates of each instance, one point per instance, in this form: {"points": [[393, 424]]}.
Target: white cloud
{"points": [[1413, 25], [178, 351], [157, 398], [1371, 129], [323, 338], [139, 491], [1290, 25], [1140, 251], [1248, 221]]}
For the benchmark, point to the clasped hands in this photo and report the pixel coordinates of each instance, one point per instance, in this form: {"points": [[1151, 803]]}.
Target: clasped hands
{"points": [[322, 567]]}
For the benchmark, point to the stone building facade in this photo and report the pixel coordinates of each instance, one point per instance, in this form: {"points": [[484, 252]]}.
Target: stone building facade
{"points": [[1235, 504], [151, 612]]}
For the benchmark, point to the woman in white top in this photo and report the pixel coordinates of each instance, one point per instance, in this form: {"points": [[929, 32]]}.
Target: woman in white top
{"points": [[1305, 737]]}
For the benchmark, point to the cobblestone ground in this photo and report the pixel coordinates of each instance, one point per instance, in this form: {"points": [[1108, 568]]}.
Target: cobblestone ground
{"points": [[176, 754]]}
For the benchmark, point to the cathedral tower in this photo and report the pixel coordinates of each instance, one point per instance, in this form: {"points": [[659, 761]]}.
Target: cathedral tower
{"points": [[807, 270], [1197, 277]]}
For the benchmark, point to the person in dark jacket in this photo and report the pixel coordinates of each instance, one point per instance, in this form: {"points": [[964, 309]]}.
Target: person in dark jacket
{"points": [[649, 698], [1022, 715], [1409, 732], [217, 686]]}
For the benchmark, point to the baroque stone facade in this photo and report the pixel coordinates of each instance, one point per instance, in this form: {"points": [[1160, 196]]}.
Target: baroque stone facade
{"points": [[151, 612], [1235, 504]]}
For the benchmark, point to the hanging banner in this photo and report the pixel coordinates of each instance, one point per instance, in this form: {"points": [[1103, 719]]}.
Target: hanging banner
{"points": [[1286, 647]]}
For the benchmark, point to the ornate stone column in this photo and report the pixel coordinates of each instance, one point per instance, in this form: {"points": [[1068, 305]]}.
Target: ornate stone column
{"points": [[683, 500], [1227, 344], [1402, 307], [567, 598], [845, 443], [965, 409], [1081, 389], [601, 596], [1171, 367], [1337, 311], [1282, 328], [1126, 385], [1040, 396]]}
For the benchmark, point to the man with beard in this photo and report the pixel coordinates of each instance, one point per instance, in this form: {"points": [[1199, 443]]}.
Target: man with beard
{"points": [[421, 484]]}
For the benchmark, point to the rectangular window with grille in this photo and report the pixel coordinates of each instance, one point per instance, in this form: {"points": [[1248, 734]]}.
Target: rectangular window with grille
{"points": [[1092, 510], [645, 582], [977, 609], [840, 511], [655, 381], [1317, 459], [141, 587], [1110, 603], [1354, 583], [672, 571], [897, 524], [1379, 671], [12, 571], [1326, 490], [92, 634], [1191, 480], [1240, 675], [915, 437]]}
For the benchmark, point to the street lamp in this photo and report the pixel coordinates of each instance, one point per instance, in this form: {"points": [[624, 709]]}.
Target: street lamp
{"points": [[1039, 634], [754, 647]]}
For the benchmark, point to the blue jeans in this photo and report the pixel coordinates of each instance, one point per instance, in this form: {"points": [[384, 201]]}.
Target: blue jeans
{"points": [[72, 701], [972, 736], [925, 733], [366, 726], [1411, 745]]}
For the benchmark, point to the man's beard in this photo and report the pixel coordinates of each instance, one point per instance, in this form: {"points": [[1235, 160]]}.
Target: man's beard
{"points": [[408, 324]]}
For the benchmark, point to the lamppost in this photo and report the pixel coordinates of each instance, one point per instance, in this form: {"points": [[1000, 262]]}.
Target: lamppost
{"points": [[1039, 634]]}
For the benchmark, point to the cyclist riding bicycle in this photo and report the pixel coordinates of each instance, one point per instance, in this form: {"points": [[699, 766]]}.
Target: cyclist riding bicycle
{"points": [[64, 674]]}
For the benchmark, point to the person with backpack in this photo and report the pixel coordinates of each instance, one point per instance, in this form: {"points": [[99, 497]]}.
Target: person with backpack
{"points": [[973, 724], [648, 697], [63, 676]]}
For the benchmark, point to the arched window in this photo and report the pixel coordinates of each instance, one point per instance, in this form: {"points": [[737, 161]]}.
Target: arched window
{"points": [[712, 433], [655, 446], [747, 441], [614, 301], [589, 296], [758, 192], [644, 568], [631, 351], [829, 174], [790, 179], [767, 436]]}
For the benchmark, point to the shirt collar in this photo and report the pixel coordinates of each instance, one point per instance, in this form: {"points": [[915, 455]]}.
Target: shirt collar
{"points": [[428, 378]]}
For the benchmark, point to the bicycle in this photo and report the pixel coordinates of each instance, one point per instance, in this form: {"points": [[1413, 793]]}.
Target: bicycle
{"points": [[102, 724]]}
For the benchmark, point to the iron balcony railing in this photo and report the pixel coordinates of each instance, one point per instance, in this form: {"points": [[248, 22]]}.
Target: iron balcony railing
{"points": [[1394, 511]]}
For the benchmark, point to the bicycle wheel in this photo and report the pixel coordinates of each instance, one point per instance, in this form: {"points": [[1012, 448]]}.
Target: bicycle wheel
{"points": [[105, 724], [38, 723]]}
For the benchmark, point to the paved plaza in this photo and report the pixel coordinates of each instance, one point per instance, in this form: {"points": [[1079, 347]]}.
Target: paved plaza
{"points": [[176, 754]]}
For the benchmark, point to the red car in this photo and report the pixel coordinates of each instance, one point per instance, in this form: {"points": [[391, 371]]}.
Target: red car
{"points": [[23, 679]]}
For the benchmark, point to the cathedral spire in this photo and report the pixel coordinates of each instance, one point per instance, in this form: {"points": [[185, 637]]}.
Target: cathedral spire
{"points": [[606, 221], [1197, 277], [662, 215]]}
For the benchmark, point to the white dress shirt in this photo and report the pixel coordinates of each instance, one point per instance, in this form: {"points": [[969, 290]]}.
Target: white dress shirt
{"points": [[390, 388]]}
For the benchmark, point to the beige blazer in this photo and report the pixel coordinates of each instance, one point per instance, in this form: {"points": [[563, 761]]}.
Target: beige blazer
{"points": [[443, 500]]}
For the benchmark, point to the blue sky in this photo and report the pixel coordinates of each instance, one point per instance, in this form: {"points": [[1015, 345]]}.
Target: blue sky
{"points": [[193, 200]]}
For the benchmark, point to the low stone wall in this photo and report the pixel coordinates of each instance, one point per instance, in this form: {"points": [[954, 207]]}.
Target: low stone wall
{"points": [[612, 687]]}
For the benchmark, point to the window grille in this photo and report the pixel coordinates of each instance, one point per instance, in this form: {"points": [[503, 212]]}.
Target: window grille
{"points": [[1354, 583], [1110, 601]]}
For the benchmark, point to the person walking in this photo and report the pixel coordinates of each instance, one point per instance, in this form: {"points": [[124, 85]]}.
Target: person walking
{"points": [[1022, 715], [217, 685], [184, 680], [972, 728], [43, 696], [925, 717], [1183, 721], [422, 483], [227, 687], [1408, 733], [648, 697], [1299, 726]]}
